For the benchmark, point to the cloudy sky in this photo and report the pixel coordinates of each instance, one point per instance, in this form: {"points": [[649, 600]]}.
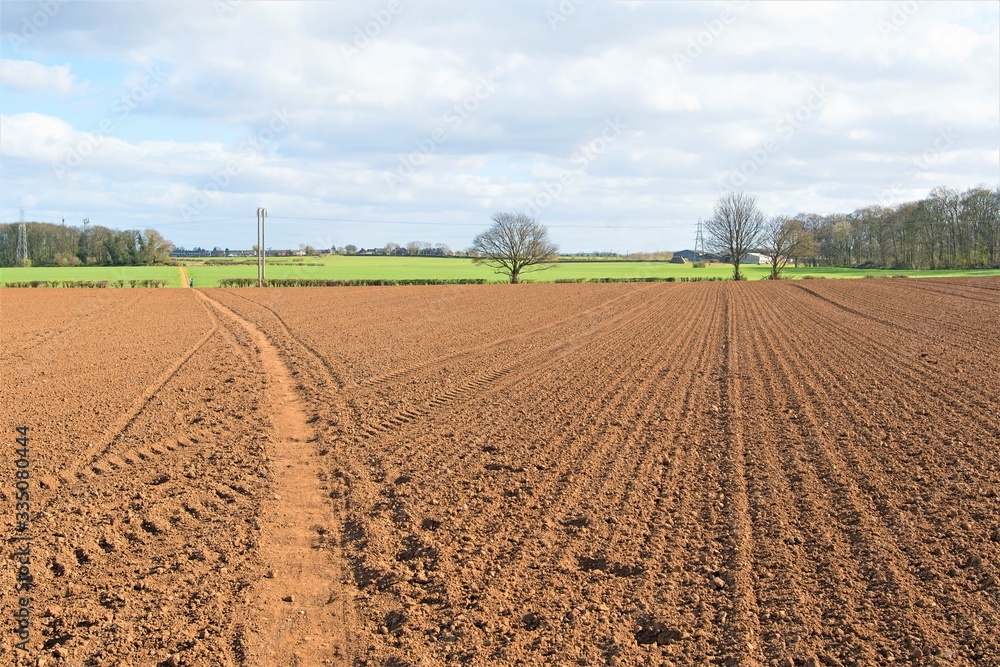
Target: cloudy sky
{"points": [[618, 124]]}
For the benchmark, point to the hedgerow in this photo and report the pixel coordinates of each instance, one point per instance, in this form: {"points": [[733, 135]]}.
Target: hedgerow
{"points": [[648, 279], [357, 282], [95, 284]]}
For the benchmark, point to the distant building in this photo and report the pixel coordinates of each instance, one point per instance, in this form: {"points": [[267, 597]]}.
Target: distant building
{"points": [[756, 258], [194, 252], [678, 259], [689, 255]]}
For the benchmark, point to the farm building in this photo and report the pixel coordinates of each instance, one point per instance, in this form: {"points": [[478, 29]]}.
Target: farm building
{"points": [[756, 258], [689, 255], [695, 256], [677, 259]]}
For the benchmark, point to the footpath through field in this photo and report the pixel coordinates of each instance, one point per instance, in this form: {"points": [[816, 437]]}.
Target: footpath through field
{"points": [[301, 616]]}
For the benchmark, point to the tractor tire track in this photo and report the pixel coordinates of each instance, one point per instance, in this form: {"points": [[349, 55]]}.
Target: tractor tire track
{"points": [[116, 429]]}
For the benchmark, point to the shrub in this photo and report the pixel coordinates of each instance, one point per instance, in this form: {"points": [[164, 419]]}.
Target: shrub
{"points": [[57, 283], [646, 279], [359, 282], [699, 265]]}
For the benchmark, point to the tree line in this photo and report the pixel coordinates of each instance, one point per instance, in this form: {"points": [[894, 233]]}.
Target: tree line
{"points": [[61, 245], [948, 229]]}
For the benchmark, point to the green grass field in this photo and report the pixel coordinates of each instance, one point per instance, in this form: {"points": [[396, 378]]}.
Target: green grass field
{"points": [[171, 274], [398, 268]]}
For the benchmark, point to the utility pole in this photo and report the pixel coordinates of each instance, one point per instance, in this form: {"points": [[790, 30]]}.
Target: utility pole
{"points": [[22, 242], [86, 239], [261, 252]]}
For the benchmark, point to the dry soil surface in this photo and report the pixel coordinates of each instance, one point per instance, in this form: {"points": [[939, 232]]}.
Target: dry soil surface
{"points": [[777, 474]]}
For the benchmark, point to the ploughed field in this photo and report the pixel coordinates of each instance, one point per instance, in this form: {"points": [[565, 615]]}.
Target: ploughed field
{"points": [[782, 474]]}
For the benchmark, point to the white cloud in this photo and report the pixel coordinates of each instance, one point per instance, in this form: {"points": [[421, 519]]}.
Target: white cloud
{"points": [[354, 118], [31, 77]]}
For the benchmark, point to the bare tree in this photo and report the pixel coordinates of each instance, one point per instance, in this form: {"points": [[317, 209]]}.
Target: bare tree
{"points": [[735, 228], [391, 248], [417, 247], [807, 246], [158, 249], [515, 244], [783, 238]]}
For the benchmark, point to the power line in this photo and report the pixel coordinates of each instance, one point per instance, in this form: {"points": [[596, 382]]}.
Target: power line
{"points": [[417, 223], [471, 224]]}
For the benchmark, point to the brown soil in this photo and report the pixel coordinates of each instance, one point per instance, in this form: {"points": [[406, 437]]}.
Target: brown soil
{"points": [[741, 474], [300, 608]]}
